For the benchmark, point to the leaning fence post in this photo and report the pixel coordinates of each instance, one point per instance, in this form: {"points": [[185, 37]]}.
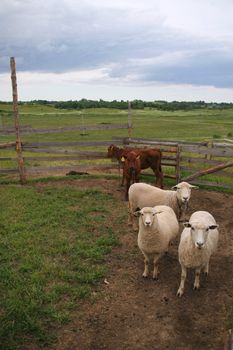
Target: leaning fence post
{"points": [[20, 159]]}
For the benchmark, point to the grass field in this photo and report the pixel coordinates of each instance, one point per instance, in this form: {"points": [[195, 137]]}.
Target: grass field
{"points": [[54, 241], [196, 125], [53, 245]]}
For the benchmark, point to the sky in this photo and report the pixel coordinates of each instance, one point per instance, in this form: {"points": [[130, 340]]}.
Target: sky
{"points": [[126, 49]]}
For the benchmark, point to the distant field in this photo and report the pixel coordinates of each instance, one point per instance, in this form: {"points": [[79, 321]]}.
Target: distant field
{"points": [[196, 125]]}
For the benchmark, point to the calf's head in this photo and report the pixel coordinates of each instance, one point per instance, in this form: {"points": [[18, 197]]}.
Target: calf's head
{"points": [[112, 151], [131, 163]]}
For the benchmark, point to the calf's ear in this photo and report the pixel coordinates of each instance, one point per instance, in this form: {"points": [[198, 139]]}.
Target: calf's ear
{"points": [[123, 159], [138, 156]]}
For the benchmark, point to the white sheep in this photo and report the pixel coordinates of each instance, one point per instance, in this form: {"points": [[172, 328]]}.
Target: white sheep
{"points": [[157, 227], [145, 195], [198, 241]]}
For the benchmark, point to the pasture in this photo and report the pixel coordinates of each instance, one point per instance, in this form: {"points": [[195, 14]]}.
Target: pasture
{"points": [[70, 271], [195, 125]]}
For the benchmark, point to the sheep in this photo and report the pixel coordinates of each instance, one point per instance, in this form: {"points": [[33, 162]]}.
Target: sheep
{"points": [[143, 195], [157, 227], [198, 241]]}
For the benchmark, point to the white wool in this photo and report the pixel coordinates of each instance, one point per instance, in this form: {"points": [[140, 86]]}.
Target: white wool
{"points": [[197, 243], [144, 195], [157, 227]]}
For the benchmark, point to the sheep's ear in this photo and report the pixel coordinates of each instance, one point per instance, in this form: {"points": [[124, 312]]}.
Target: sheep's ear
{"points": [[186, 224], [212, 227], [175, 187], [192, 186], [138, 156], [137, 213], [158, 212], [123, 159]]}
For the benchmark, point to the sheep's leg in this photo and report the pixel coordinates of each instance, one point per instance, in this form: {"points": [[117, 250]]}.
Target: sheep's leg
{"points": [[146, 267], [132, 220], [206, 269], [180, 291], [197, 279], [135, 224], [156, 270], [130, 215], [184, 211]]}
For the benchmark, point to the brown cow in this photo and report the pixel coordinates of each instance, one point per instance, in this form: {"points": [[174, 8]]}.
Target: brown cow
{"points": [[131, 170], [149, 157]]}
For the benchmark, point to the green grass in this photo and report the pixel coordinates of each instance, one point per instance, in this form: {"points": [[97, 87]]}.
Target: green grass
{"points": [[53, 246], [194, 125]]}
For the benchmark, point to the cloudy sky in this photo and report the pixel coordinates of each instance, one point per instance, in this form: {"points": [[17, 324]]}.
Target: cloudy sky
{"points": [[123, 49]]}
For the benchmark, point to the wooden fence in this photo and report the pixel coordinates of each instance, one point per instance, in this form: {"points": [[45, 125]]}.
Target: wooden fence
{"points": [[50, 153], [170, 153], [195, 161], [181, 160], [60, 152], [25, 130]]}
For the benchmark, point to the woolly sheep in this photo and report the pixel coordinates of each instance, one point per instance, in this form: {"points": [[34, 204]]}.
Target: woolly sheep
{"points": [[143, 195], [157, 227], [198, 241]]}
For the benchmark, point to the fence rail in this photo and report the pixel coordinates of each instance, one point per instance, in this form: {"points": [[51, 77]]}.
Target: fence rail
{"points": [[180, 160], [192, 160], [28, 130]]}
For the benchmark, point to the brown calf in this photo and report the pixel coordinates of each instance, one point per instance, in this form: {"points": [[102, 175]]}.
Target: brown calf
{"points": [[131, 170], [149, 157]]}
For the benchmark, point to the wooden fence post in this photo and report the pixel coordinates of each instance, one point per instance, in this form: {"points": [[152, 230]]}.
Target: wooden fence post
{"points": [[129, 120], [209, 145], [20, 159], [178, 151]]}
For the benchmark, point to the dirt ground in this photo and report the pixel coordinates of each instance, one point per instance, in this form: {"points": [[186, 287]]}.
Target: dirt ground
{"points": [[133, 313]]}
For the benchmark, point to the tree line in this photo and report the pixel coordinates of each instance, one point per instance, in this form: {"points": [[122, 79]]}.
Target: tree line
{"points": [[135, 104]]}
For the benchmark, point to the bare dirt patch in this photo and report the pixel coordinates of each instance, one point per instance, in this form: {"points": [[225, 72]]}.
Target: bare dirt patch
{"points": [[135, 313]]}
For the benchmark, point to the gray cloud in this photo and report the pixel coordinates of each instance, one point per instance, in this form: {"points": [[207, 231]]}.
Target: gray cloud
{"points": [[71, 35]]}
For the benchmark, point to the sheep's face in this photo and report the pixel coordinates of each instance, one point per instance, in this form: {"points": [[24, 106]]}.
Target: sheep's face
{"points": [[183, 190], [146, 215], [199, 233]]}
